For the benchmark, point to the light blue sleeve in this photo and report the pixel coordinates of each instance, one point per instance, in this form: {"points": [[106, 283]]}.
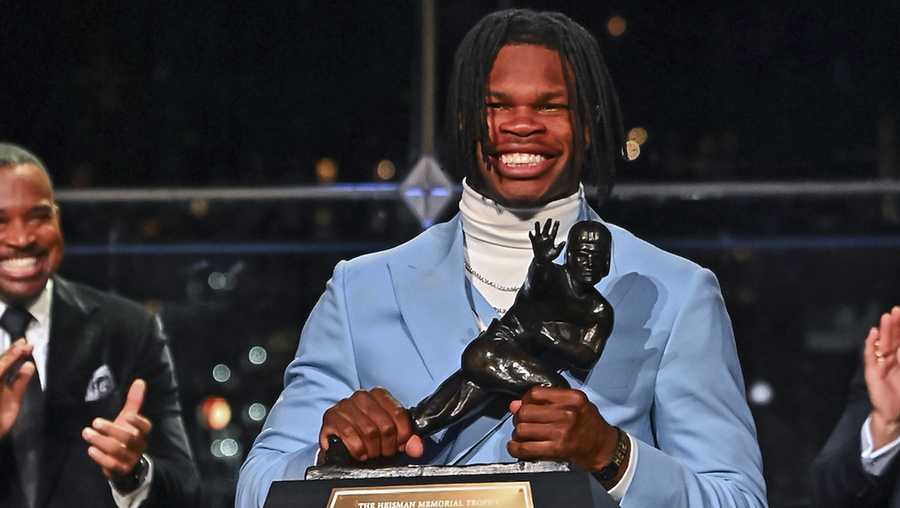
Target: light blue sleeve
{"points": [[707, 454], [322, 373]]}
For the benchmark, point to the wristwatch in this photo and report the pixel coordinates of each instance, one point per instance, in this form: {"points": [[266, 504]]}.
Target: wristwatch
{"points": [[128, 482], [608, 472]]}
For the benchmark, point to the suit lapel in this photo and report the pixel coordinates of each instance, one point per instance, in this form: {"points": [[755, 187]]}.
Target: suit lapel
{"points": [[70, 334], [431, 295]]}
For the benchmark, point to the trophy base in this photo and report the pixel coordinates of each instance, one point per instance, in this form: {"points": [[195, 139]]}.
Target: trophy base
{"points": [[355, 473], [515, 485]]}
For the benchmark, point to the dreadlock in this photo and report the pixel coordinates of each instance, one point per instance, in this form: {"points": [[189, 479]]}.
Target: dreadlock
{"points": [[594, 105]]}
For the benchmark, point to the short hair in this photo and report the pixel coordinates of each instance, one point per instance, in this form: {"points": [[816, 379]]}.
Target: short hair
{"points": [[14, 155], [595, 108]]}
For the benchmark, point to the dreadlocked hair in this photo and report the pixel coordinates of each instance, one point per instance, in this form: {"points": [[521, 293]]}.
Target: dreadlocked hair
{"points": [[594, 105]]}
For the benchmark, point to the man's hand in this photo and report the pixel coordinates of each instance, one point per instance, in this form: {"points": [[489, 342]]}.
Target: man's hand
{"points": [[118, 445], [371, 424], [882, 372], [542, 242], [561, 424], [11, 393]]}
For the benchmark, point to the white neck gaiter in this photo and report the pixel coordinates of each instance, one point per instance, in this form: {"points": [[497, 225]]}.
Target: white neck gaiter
{"points": [[498, 250]]}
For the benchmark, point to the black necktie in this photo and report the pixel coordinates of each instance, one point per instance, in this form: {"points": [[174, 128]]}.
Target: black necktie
{"points": [[26, 434]]}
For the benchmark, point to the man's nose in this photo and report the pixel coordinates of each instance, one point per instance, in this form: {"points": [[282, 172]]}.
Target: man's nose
{"points": [[522, 123], [18, 234]]}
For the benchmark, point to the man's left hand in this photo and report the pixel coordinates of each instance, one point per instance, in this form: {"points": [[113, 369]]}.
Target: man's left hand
{"points": [[561, 424], [116, 446]]}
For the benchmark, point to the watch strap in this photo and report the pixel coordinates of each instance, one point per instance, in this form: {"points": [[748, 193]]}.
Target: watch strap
{"points": [[609, 472], [131, 481]]}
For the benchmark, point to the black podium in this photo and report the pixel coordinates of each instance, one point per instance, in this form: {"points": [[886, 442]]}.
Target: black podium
{"points": [[446, 488]]}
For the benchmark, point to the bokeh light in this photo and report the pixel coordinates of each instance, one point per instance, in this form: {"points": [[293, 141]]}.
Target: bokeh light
{"points": [[761, 393], [221, 373], [226, 448], [385, 170], [216, 412], [257, 355], [326, 170], [257, 411], [616, 26], [638, 135]]}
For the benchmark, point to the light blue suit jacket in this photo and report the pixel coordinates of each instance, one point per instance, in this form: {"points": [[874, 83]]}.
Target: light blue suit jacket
{"points": [[401, 318]]}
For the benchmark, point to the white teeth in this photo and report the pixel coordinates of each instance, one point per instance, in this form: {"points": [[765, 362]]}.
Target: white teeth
{"points": [[521, 159], [18, 263]]}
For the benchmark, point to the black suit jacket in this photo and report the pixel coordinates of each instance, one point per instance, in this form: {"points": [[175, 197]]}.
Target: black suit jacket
{"points": [[838, 477], [90, 329]]}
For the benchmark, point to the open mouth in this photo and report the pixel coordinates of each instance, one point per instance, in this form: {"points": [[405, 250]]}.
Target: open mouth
{"points": [[23, 267], [522, 164], [522, 159]]}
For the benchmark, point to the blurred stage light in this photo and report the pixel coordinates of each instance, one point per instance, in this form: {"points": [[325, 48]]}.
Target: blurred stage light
{"points": [[225, 448], [257, 355], [326, 170], [638, 135], [151, 228], [230, 447], [616, 26], [217, 281], [256, 412], [761, 393], [385, 170], [221, 373], [199, 207], [216, 412]]}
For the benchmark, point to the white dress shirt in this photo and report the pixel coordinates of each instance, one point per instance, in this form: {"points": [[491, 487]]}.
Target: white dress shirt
{"points": [[876, 461], [38, 334], [499, 250]]}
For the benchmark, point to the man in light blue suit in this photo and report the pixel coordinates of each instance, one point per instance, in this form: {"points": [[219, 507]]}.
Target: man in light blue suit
{"points": [[661, 418]]}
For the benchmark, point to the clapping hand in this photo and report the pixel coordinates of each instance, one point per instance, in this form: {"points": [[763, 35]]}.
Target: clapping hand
{"points": [[116, 446], [882, 373], [12, 383]]}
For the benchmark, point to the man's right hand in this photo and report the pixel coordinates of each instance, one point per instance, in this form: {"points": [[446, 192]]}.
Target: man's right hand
{"points": [[11, 393], [371, 424]]}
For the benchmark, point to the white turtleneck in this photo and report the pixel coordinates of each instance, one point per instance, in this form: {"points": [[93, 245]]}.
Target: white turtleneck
{"points": [[498, 249]]}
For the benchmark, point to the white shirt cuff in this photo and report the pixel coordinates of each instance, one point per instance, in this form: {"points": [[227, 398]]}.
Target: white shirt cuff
{"points": [[618, 491], [137, 496], [875, 462]]}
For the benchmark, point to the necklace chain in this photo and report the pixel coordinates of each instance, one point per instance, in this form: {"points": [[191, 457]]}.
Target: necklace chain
{"points": [[482, 278]]}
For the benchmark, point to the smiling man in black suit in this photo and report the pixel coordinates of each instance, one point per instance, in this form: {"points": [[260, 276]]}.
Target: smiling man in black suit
{"points": [[89, 411]]}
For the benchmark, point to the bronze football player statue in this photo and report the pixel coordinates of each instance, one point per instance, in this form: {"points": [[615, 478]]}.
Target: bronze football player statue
{"points": [[558, 321]]}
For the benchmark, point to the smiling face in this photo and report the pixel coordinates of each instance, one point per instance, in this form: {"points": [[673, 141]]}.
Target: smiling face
{"points": [[529, 129], [31, 242]]}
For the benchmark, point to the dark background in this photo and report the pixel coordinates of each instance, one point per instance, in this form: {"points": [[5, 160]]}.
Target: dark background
{"points": [[153, 94]]}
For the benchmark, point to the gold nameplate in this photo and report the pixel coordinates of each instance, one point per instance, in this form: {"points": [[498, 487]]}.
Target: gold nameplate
{"points": [[448, 495]]}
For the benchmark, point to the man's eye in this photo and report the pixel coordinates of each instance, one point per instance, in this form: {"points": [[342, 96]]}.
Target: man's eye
{"points": [[553, 107], [40, 216], [496, 105]]}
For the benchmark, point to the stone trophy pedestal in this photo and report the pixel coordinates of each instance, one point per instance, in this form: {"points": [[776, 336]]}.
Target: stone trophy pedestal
{"points": [[519, 485]]}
